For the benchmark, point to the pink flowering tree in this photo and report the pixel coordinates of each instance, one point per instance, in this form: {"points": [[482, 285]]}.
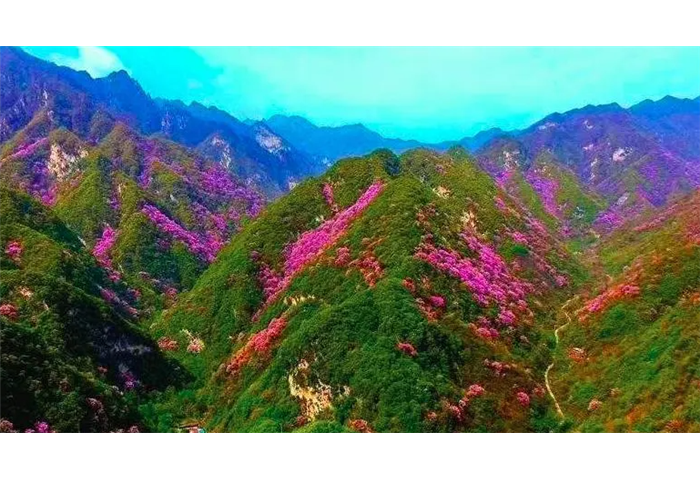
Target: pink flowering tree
{"points": [[14, 250], [10, 311]]}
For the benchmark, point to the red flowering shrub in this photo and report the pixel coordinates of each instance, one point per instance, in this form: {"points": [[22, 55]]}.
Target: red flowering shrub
{"points": [[407, 348], [437, 301], [195, 345], [10, 311], [475, 390], [369, 267], [427, 310], [523, 399], [617, 292], [261, 342], [167, 344], [342, 257], [538, 391], [498, 368], [360, 426], [594, 405], [455, 411], [578, 355]]}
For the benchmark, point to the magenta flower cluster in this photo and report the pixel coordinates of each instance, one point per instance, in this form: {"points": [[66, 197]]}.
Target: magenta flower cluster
{"points": [[40, 427], [547, 189], [218, 182], [28, 150], [523, 399], [204, 246], [608, 220], [503, 178], [500, 204], [103, 245], [216, 224], [14, 250], [43, 186], [312, 243], [329, 197], [129, 379], [486, 276]]}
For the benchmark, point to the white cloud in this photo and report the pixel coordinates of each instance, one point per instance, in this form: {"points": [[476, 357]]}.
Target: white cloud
{"points": [[97, 61]]}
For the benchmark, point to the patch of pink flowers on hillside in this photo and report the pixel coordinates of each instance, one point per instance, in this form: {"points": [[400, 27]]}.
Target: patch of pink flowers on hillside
{"points": [[612, 294], [547, 189], [311, 245], [329, 197], [14, 250], [486, 276], [204, 246], [259, 343], [218, 182], [103, 246]]}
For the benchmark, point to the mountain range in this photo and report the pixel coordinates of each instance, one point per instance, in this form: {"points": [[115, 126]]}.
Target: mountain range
{"points": [[168, 267]]}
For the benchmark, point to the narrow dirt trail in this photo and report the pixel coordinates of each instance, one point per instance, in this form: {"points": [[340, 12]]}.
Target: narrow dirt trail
{"points": [[551, 365]]}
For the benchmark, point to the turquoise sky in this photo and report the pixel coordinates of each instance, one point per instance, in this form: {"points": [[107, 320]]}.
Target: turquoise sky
{"points": [[429, 94]]}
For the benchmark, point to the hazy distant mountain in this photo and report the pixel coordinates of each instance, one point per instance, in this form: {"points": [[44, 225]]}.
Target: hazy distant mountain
{"points": [[331, 143], [475, 142], [639, 157], [36, 92]]}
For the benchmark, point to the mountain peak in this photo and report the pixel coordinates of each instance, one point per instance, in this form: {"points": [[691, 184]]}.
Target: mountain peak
{"points": [[297, 120]]}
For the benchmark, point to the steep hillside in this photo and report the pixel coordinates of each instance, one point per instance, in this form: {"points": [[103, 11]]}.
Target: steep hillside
{"points": [[150, 210], [628, 359], [72, 358], [636, 159], [38, 91], [545, 186], [391, 294]]}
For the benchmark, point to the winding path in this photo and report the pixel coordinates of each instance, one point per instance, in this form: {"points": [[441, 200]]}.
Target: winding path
{"points": [[551, 365]]}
